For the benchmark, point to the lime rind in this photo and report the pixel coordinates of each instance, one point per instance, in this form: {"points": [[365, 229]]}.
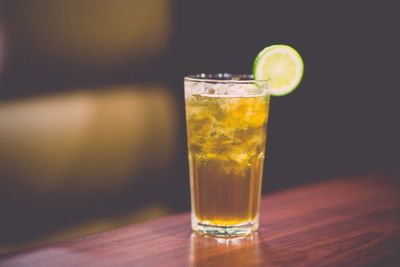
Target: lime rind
{"points": [[274, 50]]}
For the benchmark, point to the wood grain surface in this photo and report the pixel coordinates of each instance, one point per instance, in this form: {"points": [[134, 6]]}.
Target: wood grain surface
{"points": [[342, 222]]}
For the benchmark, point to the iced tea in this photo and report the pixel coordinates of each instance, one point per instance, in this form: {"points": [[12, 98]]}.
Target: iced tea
{"points": [[226, 128]]}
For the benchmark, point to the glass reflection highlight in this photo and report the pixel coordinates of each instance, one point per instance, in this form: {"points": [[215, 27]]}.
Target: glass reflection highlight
{"points": [[211, 251]]}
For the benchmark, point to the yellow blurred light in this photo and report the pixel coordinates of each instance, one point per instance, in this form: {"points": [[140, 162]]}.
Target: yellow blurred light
{"points": [[94, 31], [86, 142]]}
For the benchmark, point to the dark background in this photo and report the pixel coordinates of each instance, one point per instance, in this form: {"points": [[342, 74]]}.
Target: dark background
{"points": [[342, 120], [344, 117]]}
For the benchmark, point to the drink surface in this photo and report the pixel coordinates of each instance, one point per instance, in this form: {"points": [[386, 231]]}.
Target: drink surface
{"points": [[226, 139]]}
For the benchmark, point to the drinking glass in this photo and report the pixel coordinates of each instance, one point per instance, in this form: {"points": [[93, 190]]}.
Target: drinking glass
{"points": [[226, 119]]}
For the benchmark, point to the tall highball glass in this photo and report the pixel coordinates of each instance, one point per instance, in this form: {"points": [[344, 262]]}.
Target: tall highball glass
{"points": [[226, 119]]}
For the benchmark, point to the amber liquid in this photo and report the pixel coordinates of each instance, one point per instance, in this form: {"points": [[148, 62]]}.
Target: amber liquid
{"points": [[226, 139]]}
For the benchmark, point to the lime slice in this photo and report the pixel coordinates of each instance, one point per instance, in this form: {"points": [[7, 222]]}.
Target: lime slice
{"points": [[282, 66]]}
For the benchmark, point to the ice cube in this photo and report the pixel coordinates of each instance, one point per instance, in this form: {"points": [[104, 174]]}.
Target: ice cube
{"points": [[194, 88]]}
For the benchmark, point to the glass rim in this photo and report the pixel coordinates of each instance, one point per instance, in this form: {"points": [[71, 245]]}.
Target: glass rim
{"points": [[222, 78]]}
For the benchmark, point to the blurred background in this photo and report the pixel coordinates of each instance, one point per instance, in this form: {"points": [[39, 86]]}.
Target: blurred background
{"points": [[92, 130]]}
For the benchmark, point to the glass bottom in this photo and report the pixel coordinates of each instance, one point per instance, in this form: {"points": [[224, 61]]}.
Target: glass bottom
{"points": [[225, 231]]}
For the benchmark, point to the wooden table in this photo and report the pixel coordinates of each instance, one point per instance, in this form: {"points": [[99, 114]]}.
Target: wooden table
{"points": [[343, 222]]}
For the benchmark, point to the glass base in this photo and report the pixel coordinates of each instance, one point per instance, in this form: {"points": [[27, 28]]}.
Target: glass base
{"points": [[225, 231]]}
